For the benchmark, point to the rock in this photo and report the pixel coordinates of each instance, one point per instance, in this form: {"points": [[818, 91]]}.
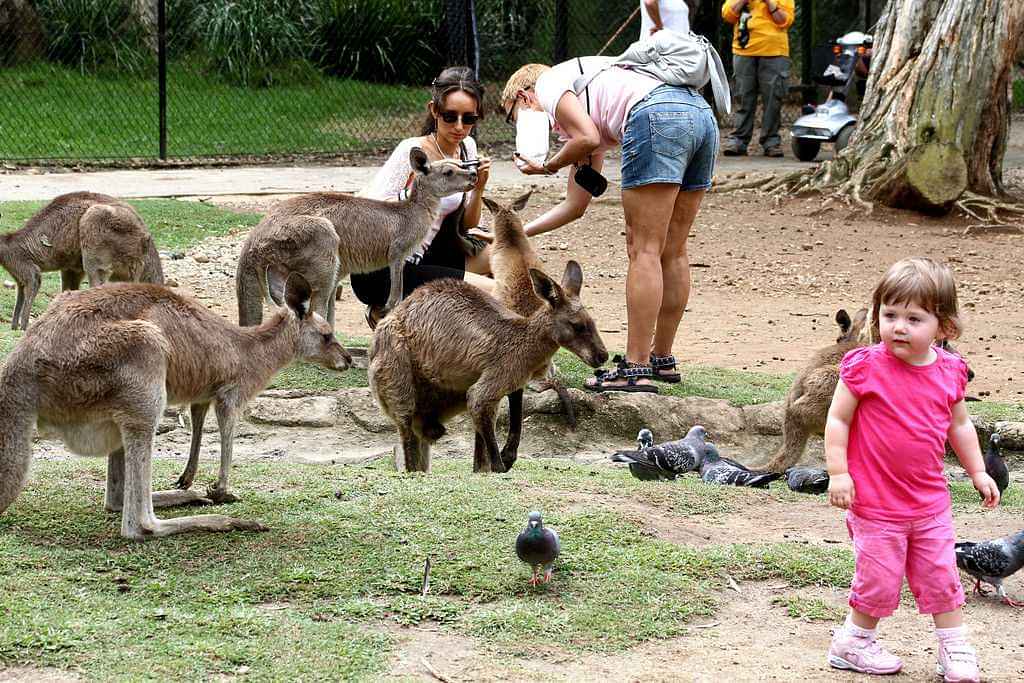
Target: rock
{"points": [[177, 255], [764, 418], [171, 282], [358, 406], [9, 285], [201, 258], [308, 411]]}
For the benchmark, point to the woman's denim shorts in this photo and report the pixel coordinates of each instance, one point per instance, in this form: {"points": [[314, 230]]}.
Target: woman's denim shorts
{"points": [[671, 137]]}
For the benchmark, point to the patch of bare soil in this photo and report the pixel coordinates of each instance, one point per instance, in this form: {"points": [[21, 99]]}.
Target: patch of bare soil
{"points": [[767, 278], [19, 674], [751, 637]]}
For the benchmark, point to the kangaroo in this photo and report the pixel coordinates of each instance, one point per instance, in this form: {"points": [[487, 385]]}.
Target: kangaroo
{"points": [[81, 233], [303, 244], [809, 398], [99, 366], [372, 234], [512, 257], [450, 347]]}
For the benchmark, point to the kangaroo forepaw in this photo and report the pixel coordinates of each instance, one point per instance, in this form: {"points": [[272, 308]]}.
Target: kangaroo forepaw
{"points": [[508, 458], [184, 482]]}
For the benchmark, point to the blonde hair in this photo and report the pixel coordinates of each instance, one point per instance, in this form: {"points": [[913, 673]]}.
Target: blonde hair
{"points": [[921, 282], [524, 78]]}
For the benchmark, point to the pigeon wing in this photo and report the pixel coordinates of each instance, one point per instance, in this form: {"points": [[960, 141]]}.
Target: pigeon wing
{"points": [[983, 559]]}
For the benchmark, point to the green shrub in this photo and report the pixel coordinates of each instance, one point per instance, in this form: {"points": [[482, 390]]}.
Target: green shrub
{"points": [[1018, 94], [385, 41], [93, 34], [250, 41]]}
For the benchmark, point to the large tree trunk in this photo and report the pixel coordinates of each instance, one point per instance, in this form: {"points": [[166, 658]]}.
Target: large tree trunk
{"points": [[935, 116]]}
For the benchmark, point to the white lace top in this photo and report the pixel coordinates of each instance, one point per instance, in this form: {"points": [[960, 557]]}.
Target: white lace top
{"points": [[389, 184]]}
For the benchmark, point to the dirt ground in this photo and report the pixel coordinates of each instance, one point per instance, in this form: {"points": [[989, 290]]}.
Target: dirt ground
{"points": [[750, 638], [768, 278]]}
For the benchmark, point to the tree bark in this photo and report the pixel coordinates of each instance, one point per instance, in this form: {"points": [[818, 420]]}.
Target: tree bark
{"points": [[935, 116]]}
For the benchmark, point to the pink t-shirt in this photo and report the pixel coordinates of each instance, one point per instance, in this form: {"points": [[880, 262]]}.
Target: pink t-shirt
{"points": [[898, 433], [612, 93]]}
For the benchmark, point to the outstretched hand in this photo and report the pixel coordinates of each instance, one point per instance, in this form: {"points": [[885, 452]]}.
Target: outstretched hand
{"points": [[527, 166], [985, 485], [841, 491]]}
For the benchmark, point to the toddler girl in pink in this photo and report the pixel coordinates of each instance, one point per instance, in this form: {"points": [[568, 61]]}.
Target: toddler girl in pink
{"points": [[895, 406]]}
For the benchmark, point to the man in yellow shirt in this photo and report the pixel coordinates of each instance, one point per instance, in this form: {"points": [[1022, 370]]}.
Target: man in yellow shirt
{"points": [[760, 63]]}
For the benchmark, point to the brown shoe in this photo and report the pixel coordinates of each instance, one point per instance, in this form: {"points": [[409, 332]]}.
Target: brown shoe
{"points": [[773, 151]]}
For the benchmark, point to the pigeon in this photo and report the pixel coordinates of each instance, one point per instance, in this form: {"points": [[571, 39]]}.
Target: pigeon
{"points": [[718, 470], [538, 546], [995, 465], [993, 561], [807, 480], [667, 460]]}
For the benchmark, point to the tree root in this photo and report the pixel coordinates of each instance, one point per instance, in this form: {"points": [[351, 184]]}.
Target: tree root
{"points": [[972, 203]]}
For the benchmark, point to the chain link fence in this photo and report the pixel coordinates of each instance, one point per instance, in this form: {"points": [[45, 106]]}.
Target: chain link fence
{"points": [[126, 80]]}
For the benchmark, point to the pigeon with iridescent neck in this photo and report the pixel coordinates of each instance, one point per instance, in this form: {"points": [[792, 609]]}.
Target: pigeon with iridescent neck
{"points": [[666, 460], [538, 546]]}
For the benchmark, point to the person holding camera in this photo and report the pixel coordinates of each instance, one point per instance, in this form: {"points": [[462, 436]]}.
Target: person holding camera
{"points": [[760, 64], [453, 247], [669, 141]]}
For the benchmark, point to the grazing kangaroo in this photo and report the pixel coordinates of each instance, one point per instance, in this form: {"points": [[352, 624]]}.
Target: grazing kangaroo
{"points": [[512, 257], [450, 347], [99, 366], [81, 233], [372, 234]]}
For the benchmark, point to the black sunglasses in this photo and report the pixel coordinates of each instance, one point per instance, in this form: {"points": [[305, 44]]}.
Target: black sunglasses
{"points": [[511, 110], [453, 116]]}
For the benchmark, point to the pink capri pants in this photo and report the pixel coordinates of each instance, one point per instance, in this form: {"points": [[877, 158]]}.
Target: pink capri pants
{"points": [[920, 549]]}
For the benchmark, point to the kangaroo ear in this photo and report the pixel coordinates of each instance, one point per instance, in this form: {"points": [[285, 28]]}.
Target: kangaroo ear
{"points": [[519, 203], [572, 278], [276, 277], [545, 287], [418, 161], [843, 320], [492, 206], [297, 293]]}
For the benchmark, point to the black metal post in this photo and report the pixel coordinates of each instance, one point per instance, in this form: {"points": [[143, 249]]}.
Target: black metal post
{"points": [[806, 41], [161, 59], [561, 47], [455, 22]]}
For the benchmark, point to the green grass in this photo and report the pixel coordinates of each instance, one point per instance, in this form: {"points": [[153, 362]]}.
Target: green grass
{"points": [[809, 609], [344, 556], [175, 226], [51, 112]]}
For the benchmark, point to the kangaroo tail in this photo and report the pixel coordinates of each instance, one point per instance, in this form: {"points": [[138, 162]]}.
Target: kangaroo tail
{"points": [[17, 416], [152, 269], [249, 292]]}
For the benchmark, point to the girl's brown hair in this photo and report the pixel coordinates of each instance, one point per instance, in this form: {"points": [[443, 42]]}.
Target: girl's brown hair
{"points": [[450, 80], [921, 282]]}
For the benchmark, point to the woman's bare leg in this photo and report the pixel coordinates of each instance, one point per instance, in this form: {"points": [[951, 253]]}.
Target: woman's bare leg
{"points": [[675, 271]]}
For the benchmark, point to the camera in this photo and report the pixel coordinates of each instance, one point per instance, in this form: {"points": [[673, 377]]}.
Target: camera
{"points": [[470, 164], [590, 180]]}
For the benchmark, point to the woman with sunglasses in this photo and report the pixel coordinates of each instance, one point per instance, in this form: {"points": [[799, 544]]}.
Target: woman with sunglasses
{"points": [[449, 249], [669, 141]]}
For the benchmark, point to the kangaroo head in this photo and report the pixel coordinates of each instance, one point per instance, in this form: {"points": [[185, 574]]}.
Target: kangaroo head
{"points": [[850, 329], [571, 324], [316, 337], [440, 178], [517, 205]]}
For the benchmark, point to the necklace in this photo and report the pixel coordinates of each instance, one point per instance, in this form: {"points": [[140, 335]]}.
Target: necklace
{"points": [[433, 136]]}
